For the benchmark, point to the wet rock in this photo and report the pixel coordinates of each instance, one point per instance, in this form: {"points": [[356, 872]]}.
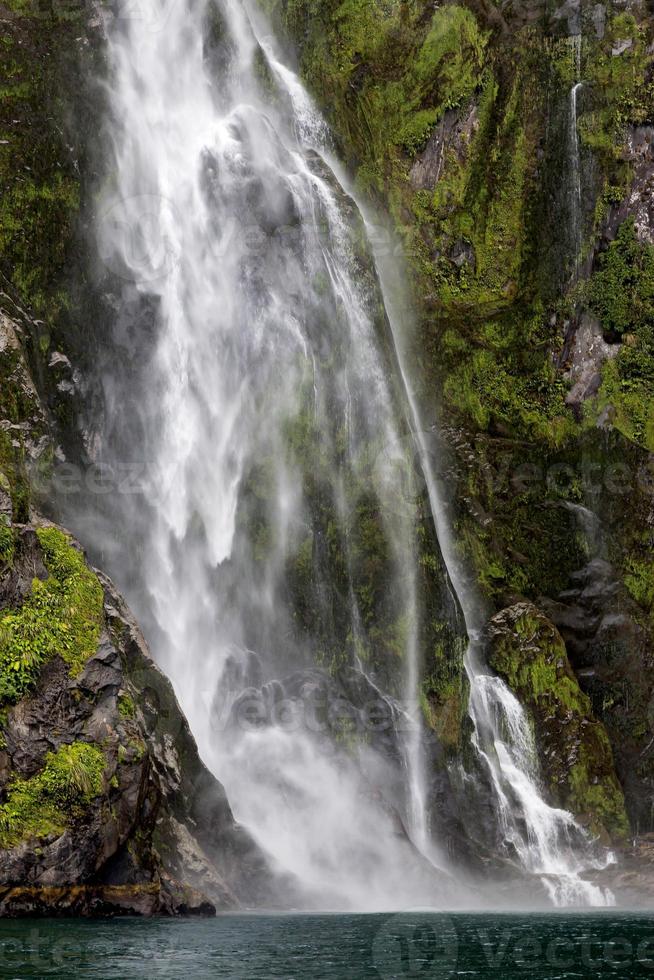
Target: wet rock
{"points": [[169, 898], [463, 254], [453, 133], [6, 509], [631, 878], [59, 362], [595, 614], [598, 16], [568, 14], [589, 351], [65, 378], [621, 46], [639, 202]]}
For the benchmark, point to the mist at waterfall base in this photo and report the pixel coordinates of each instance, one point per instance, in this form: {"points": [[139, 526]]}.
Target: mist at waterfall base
{"points": [[290, 542]]}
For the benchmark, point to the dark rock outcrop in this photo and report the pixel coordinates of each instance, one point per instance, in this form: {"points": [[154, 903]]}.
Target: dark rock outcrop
{"points": [[609, 647]]}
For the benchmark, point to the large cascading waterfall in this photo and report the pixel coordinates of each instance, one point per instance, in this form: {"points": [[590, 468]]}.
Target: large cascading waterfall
{"points": [[259, 380], [280, 521]]}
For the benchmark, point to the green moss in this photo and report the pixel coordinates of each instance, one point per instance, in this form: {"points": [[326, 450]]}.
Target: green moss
{"points": [[39, 186], [126, 706], [621, 294], [600, 801], [443, 693], [6, 544], [619, 91], [61, 616], [12, 467], [639, 580], [139, 749], [45, 804], [406, 68], [508, 383]]}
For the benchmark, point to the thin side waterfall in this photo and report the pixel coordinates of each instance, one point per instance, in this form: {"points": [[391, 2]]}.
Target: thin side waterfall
{"points": [[260, 378], [575, 193], [590, 527]]}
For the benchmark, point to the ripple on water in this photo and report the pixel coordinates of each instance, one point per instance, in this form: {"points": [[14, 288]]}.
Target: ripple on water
{"points": [[438, 946]]}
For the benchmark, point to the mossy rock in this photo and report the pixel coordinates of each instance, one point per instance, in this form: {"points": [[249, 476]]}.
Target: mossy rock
{"points": [[577, 764], [43, 805], [61, 616]]}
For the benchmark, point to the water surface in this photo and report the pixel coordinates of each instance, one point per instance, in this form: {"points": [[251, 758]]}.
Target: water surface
{"points": [[326, 947]]}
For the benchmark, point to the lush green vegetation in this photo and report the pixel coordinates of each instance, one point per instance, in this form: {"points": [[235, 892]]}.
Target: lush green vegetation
{"points": [[6, 543], [45, 804], [621, 294], [621, 290], [406, 68], [621, 89], [126, 706], [61, 616], [13, 475]]}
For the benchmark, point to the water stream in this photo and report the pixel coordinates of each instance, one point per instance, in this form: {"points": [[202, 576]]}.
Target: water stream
{"points": [[574, 185]]}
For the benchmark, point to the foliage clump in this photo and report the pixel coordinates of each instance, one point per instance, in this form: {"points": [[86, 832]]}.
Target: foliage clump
{"points": [[126, 706], [621, 294], [6, 544], [46, 803], [622, 288], [61, 616]]}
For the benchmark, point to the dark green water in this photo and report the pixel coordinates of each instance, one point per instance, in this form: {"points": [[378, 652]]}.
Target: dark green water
{"points": [[324, 947]]}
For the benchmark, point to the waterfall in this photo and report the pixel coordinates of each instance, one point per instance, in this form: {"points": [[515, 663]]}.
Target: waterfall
{"points": [[574, 186], [260, 381], [590, 527], [548, 842], [278, 529]]}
